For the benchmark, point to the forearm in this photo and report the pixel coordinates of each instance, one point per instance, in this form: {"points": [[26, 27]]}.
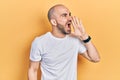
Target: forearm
{"points": [[79, 31], [32, 75], [91, 50]]}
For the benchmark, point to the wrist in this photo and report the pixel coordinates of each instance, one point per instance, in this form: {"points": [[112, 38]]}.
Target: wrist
{"points": [[84, 37], [87, 40]]}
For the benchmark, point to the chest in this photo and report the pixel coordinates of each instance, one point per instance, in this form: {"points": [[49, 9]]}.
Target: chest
{"points": [[58, 51]]}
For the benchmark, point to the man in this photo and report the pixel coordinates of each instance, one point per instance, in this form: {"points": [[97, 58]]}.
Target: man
{"points": [[57, 50]]}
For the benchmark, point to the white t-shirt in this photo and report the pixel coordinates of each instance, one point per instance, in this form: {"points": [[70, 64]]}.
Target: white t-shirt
{"points": [[58, 56]]}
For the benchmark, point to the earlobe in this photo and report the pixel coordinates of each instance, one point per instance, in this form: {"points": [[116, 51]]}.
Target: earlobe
{"points": [[53, 22]]}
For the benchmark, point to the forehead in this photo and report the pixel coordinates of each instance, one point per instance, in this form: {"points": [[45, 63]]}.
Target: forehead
{"points": [[61, 10]]}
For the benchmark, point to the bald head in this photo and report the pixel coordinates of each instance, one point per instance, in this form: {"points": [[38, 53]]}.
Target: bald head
{"points": [[52, 10]]}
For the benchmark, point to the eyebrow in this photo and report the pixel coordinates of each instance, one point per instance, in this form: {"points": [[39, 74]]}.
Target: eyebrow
{"points": [[66, 14]]}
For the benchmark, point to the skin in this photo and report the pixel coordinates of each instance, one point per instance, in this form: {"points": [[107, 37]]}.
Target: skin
{"points": [[60, 18]]}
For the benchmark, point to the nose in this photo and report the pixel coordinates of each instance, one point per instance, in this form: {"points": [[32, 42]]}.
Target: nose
{"points": [[70, 18]]}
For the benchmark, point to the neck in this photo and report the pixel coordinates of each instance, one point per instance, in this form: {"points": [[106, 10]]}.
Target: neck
{"points": [[57, 34]]}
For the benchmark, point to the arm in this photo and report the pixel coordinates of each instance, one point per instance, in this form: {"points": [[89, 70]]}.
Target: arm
{"points": [[33, 68], [91, 54]]}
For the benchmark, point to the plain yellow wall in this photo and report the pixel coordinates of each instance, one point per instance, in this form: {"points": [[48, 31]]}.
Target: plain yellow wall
{"points": [[22, 20]]}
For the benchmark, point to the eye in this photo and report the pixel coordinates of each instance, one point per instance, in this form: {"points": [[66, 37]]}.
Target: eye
{"points": [[64, 15]]}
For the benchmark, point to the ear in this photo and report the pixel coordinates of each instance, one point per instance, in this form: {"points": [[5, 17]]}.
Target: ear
{"points": [[53, 22]]}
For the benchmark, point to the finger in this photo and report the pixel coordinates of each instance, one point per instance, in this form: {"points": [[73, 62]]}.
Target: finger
{"points": [[74, 23], [74, 20], [81, 23], [82, 27], [78, 21]]}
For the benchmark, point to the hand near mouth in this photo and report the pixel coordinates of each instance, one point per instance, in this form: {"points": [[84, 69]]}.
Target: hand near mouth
{"points": [[79, 30]]}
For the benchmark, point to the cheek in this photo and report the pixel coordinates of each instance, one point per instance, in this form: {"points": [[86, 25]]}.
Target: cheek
{"points": [[62, 21]]}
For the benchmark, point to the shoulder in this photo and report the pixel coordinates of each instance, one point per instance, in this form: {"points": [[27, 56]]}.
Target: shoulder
{"points": [[40, 39]]}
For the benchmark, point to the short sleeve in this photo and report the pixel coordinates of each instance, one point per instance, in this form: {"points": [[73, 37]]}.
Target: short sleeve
{"points": [[81, 47], [35, 53]]}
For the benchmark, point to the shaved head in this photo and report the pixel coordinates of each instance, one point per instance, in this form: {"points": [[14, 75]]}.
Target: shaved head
{"points": [[60, 18], [52, 10]]}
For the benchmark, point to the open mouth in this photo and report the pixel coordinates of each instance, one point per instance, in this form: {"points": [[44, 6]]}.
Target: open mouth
{"points": [[69, 25]]}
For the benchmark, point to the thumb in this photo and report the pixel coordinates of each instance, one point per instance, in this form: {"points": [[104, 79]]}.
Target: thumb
{"points": [[73, 34]]}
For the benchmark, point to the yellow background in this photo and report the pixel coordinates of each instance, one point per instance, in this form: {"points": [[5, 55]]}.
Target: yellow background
{"points": [[22, 20]]}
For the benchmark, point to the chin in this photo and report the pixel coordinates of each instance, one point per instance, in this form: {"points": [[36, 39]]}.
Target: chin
{"points": [[68, 32]]}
